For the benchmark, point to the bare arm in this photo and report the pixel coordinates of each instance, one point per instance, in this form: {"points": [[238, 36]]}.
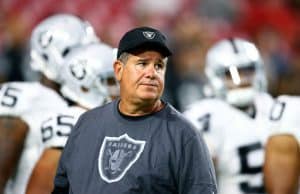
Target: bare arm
{"points": [[282, 165], [13, 133], [42, 177]]}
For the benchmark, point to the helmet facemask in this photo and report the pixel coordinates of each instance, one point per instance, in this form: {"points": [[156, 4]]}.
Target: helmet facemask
{"points": [[239, 84], [235, 75]]}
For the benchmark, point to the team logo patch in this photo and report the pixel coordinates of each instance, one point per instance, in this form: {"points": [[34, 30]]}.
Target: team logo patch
{"points": [[117, 155], [149, 35]]}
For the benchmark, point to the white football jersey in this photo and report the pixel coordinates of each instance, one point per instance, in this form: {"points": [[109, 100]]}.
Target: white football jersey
{"points": [[29, 101], [236, 142], [57, 127], [285, 116]]}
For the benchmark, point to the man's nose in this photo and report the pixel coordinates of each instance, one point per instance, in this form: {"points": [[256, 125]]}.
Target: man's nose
{"points": [[150, 70]]}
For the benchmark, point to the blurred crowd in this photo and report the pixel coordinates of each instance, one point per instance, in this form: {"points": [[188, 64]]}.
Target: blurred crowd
{"points": [[193, 25]]}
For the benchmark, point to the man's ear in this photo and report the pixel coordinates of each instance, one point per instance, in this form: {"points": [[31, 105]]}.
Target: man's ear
{"points": [[118, 69]]}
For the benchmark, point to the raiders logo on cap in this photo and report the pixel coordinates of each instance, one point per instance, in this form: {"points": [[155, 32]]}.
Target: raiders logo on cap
{"points": [[149, 35]]}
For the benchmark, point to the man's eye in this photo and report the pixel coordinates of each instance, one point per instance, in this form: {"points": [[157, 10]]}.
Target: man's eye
{"points": [[159, 66], [142, 64]]}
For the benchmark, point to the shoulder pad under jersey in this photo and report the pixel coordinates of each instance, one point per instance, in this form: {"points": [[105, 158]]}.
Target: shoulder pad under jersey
{"points": [[211, 107], [21, 98]]}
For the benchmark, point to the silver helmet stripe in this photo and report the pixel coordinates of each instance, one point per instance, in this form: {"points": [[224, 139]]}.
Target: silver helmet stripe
{"points": [[233, 44]]}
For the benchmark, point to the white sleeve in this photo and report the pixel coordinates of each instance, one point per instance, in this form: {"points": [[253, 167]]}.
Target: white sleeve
{"points": [[286, 111], [207, 116]]}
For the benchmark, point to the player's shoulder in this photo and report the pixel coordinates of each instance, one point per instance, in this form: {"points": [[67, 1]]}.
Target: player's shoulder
{"points": [[289, 99], [67, 111], [29, 91], [288, 115], [289, 107], [177, 121], [290, 104], [20, 97], [76, 110], [27, 86], [263, 103], [43, 97], [208, 102], [263, 99], [102, 111], [207, 105]]}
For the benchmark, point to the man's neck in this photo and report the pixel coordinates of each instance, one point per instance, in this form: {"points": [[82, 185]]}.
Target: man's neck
{"points": [[50, 84], [249, 110], [139, 109]]}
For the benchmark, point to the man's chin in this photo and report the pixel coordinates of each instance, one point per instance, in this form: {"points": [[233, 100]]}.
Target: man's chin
{"points": [[149, 97]]}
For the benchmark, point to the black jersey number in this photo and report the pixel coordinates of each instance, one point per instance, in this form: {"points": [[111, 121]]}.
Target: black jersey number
{"points": [[248, 169], [277, 110], [63, 123], [10, 96], [204, 122]]}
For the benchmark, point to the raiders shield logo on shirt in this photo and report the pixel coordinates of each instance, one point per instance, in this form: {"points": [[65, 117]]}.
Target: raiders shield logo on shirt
{"points": [[117, 155]]}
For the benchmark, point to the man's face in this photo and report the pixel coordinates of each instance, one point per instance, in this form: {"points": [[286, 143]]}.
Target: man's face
{"points": [[142, 77]]}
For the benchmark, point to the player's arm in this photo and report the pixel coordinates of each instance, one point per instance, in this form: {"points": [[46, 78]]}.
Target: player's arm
{"points": [[282, 165], [41, 180], [13, 133], [55, 132]]}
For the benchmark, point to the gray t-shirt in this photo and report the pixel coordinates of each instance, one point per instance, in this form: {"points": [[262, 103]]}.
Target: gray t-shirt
{"points": [[110, 153]]}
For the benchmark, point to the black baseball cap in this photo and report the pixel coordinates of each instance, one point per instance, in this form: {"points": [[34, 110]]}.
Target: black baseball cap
{"points": [[143, 37]]}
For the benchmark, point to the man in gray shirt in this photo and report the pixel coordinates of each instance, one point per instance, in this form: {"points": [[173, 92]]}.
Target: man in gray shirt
{"points": [[138, 143]]}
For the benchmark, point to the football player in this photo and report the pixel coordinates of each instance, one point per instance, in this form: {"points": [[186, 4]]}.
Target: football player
{"points": [[234, 123], [24, 104], [282, 149], [88, 77]]}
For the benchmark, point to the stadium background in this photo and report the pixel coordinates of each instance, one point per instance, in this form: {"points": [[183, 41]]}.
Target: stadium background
{"points": [[192, 25]]}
